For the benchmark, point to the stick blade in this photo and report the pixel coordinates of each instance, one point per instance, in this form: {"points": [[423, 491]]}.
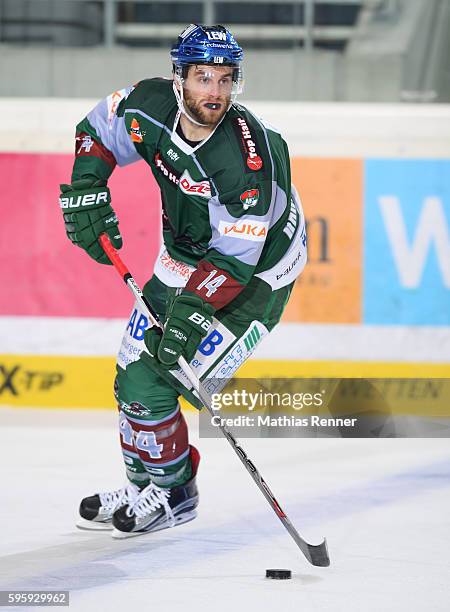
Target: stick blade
{"points": [[317, 554]]}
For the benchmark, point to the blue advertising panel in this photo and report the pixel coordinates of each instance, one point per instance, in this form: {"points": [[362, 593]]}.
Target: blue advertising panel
{"points": [[406, 277]]}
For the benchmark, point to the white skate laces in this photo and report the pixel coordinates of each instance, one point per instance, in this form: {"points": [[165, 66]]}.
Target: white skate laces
{"points": [[150, 499], [112, 500]]}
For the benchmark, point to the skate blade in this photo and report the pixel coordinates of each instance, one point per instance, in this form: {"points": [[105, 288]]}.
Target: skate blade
{"points": [[185, 518], [86, 525]]}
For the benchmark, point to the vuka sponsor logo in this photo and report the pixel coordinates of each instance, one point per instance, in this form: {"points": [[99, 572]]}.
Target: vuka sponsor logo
{"points": [[247, 230], [89, 199]]}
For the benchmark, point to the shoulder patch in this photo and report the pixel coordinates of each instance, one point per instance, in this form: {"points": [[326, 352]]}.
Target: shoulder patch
{"points": [[249, 148], [137, 135]]}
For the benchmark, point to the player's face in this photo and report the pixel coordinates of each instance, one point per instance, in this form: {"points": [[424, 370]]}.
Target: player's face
{"points": [[207, 93]]}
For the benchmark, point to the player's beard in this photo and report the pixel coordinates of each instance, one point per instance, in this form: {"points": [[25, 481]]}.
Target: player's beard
{"points": [[196, 109]]}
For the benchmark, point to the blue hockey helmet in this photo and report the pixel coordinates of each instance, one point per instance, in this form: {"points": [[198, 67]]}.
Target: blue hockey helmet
{"points": [[208, 46], [200, 44]]}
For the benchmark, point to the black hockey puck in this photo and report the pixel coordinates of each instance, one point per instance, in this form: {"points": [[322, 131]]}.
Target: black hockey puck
{"points": [[278, 574]]}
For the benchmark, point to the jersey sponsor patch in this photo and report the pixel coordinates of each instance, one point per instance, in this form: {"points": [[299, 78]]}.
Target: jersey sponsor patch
{"points": [[137, 135], [248, 144], [173, 154], [166, 169], [191, 187], [246, 230], [184, 181], [216, 342], [170, 271], [133, 338], [249, 198], [291, 225], [254, 163], [232, 360], [288, 268]]}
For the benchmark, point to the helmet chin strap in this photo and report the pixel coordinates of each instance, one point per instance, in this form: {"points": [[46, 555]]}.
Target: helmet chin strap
{"points": [[180, 102]]}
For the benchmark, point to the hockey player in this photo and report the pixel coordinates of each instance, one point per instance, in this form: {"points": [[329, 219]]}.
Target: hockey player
{"points": [[233, 243]]}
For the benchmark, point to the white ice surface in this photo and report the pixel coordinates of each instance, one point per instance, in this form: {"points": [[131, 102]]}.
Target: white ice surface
{"points": [[382, 504]]}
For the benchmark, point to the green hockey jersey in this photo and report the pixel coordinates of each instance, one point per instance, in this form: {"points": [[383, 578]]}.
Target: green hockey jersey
{"points": [[229, 211]]}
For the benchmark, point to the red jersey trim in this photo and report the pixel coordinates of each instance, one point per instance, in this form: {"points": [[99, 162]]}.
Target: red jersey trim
{"points": [[86, 146]]}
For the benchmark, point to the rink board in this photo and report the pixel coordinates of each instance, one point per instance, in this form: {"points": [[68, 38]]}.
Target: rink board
{"points": [[378, 241], [86, 382]]}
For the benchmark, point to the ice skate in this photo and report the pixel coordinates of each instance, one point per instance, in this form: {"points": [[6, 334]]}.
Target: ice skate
{"points": [[156, 508], [96, 511]]}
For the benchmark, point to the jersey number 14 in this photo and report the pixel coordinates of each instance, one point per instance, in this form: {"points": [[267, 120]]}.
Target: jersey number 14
{"points": [[212, 282]]}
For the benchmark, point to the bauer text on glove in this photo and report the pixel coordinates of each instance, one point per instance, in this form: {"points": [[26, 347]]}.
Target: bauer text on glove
{"points": [[87, 212]]}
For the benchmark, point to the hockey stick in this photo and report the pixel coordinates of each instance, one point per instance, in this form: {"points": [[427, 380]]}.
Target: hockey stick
{"points": [[316, 554]]}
